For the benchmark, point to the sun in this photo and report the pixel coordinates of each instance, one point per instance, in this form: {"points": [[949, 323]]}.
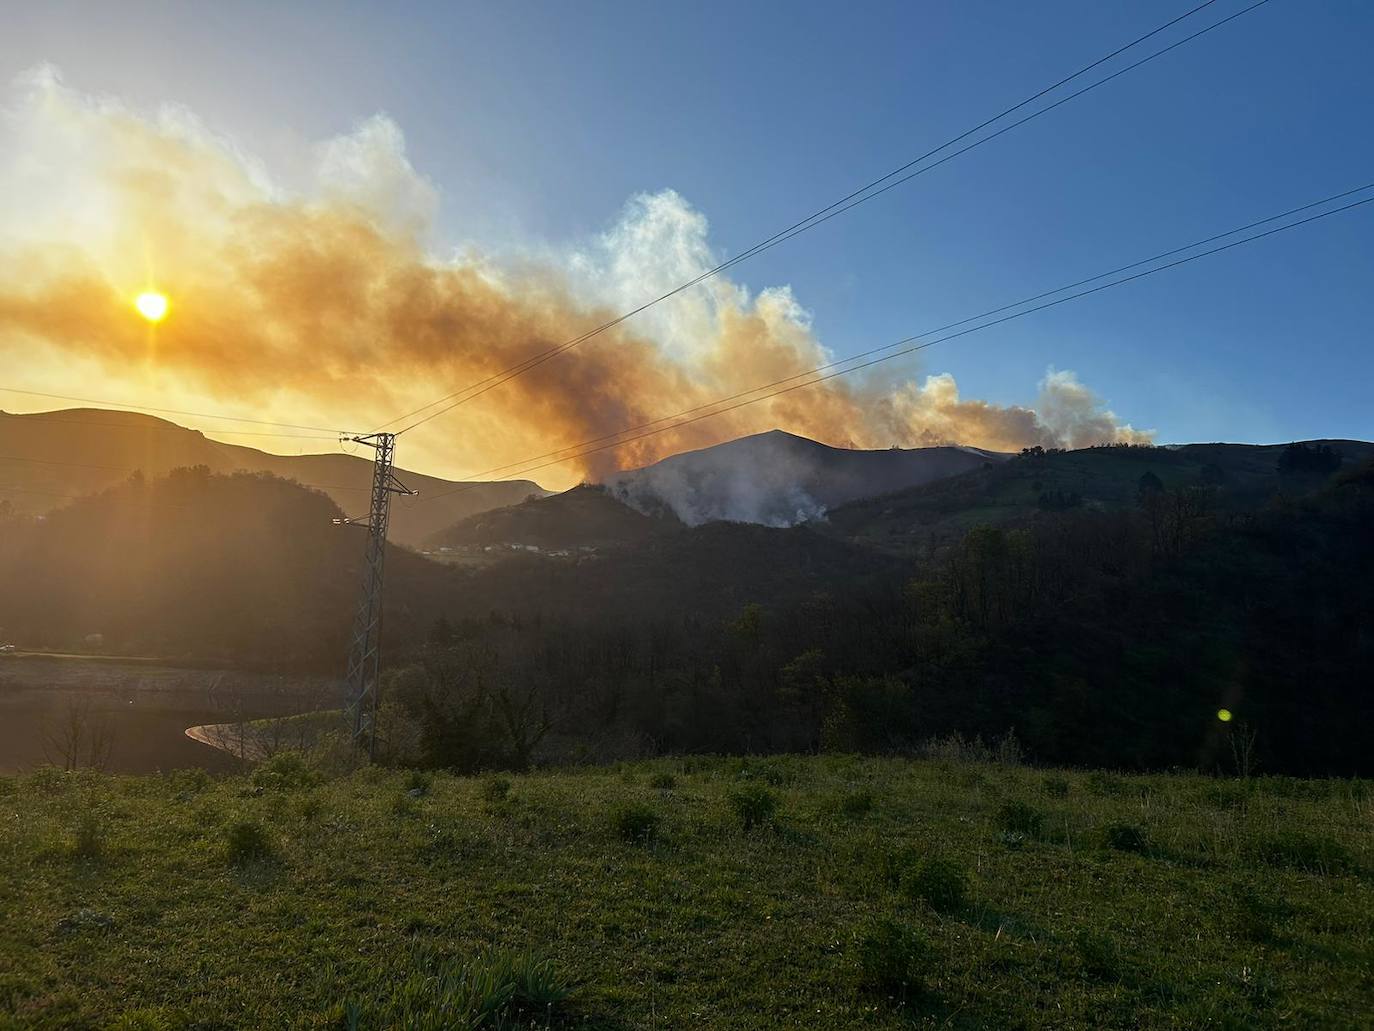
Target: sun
{"points": [[152, 305]]}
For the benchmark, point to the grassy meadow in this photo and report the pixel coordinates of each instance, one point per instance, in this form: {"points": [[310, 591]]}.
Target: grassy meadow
{"points": [[790, 892]]}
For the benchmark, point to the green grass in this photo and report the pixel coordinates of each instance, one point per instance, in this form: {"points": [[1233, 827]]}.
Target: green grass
{"points": [[1246, 905]]}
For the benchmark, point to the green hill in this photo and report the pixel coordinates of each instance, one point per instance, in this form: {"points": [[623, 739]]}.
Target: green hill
{"points": [[869, 893], [246, 568], [47, 457], [935, 514]]}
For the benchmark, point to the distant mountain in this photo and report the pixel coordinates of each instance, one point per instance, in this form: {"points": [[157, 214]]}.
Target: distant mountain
{"points": [[1246, 476], [242, 568], [45, 458], [582, 518], [779, 479]]}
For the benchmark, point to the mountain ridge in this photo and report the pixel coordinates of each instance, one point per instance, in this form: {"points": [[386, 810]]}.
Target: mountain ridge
{"points": [[48, 457]]}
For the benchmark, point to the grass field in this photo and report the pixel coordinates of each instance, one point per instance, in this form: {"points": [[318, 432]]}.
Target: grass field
{"points": [[791, 892]]}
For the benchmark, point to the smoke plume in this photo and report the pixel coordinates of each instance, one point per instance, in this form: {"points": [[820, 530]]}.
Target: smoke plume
{"points": [[324, 302]]}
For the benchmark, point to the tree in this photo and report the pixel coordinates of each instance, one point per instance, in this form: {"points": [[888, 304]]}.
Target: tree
{"points": [[77, 737], [1149, 484], [1316, 460]]}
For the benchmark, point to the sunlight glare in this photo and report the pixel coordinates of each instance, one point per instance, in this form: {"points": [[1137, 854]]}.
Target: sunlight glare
{"points": [[152, 305]]}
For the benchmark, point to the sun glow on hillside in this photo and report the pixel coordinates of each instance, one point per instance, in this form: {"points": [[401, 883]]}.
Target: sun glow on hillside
{"points": [[152, 305]]}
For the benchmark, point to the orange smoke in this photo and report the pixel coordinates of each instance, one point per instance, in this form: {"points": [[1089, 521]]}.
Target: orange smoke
{"points": [[324, 305]]}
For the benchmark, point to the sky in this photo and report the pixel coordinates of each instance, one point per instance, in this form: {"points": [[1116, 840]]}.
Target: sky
{"points": [[581, 154]]}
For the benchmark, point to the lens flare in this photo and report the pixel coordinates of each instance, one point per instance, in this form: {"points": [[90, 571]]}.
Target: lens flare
{"points": [[1224, 715], [152, 305]]}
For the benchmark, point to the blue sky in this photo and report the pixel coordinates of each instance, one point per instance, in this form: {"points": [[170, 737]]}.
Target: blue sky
{"points": [[538, 121]]}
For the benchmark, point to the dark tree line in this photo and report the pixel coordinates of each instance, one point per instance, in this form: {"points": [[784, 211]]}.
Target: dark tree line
{"points": [[1104, 638]]}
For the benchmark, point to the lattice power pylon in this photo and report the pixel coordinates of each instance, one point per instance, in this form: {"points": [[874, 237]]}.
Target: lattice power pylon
{"points": [[365, 651]]}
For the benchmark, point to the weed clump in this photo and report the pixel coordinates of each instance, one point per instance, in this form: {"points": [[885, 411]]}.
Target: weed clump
{"points": [[285, 771], [1257, 917], [495, 790], [418, 783], [49, 780], [892, 957], [940, 883], [188, 782], [88, 841], [635, 823], [777, 771], [1056, 787], [496, 990], [1098, 955], [1106, 785], [857, 803], [663, 781], [753, 806], [311, 808], [1311, 853], [249, 842], [1020, 818], [1126, 837]]}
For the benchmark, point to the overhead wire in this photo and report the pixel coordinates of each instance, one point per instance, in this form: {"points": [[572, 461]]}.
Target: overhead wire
{"points": [[857, 197], [175, 411], [174, 428], [938, 329], [525, 470], [130, 470]]}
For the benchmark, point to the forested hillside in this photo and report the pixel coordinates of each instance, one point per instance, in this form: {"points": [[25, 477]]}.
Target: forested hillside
{"points": [[1101, 636], [1107, 627], [245, 568], [48, 457]]}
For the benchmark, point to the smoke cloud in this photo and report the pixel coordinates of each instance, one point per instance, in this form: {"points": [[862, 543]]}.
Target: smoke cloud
{"points": [[321, 302]]}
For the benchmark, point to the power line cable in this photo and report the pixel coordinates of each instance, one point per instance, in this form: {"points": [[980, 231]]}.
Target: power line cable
{"points": [[175, 411], [846, 203], [44, 417], [929, 332], [931, 343], [138, 469]]}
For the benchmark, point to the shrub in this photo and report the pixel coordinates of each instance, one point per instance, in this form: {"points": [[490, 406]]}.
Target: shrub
{"points": [[1099, 955], [49, 779], [891, 958], [496, 990], [88, 841], [418, 782], [191, 781], [635, 823], [777, 771], [1126, 837], [285, 771], [938, 882], [1020, 818], [663, 781], [147, 1020], [311, 807], [1256, 917], [857, 803], [495, 790], [249, 842], [1312, 853], [753, 805], [1056, 787], [1106, 785], [539, 985], [893, 865]]}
